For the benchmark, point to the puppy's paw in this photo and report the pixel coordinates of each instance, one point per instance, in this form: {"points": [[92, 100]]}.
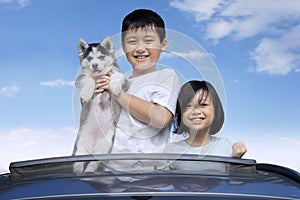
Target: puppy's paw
{"points": [[87, 91], [86, 95], [116, 81], [92, 166], [78, 167]]}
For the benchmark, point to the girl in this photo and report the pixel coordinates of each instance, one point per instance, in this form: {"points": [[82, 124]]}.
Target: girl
{"points": [[199, 116]]}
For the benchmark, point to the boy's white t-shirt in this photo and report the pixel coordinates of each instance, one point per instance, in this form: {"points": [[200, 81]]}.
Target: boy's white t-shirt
{"points": [[133, 136]]}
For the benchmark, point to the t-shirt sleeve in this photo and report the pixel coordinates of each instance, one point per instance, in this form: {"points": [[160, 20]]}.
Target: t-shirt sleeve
{"points": [[165, 90]]}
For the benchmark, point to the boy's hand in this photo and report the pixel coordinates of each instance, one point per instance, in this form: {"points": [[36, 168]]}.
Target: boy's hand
{"points": [[102, 84], [238, 149]]}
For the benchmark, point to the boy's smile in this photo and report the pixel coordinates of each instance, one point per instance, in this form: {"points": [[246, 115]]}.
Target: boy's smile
{"points": [[140, 58], [142, 47]]}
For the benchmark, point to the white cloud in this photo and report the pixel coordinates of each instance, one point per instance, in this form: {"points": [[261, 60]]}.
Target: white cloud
{"points": [[189, 55], [277, 52], [219, 29], [27, 143], [23, 3], [236, 81], [278, 55], [290, 141], [203, 10], [57, 83], [9, 91], [242, 18], [16, 3], [6, 1]]}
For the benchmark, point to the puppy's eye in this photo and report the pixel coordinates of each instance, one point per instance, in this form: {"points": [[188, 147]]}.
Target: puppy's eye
{"points": [[101, 57], [89, 58]]}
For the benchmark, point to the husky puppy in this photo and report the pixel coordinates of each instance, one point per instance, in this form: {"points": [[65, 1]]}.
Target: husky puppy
{"points": [[99, 111]]}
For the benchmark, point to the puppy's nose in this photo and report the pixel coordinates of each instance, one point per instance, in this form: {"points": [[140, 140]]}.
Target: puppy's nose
{"points": [[94, 65]]}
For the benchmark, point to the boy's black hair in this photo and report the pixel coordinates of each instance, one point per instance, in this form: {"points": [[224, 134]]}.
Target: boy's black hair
{"points": [[143, 18], [187, 93]]}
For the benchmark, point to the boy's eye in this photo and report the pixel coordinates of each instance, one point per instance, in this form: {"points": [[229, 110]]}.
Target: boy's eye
{"points": [[148, 41], [132, 42]]}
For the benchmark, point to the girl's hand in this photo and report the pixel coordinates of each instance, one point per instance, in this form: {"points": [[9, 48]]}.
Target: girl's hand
{"points": [[238, 149]]}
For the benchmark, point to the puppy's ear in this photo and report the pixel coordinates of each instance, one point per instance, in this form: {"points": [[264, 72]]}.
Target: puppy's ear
{"points": [[107, 43], [82, 46]]}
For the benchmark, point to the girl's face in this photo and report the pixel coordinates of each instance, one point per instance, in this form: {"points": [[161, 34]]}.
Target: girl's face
{"points": [[142, 48], [199, 113]]}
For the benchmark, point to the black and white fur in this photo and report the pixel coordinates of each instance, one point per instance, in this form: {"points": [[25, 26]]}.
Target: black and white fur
{"points": [[99, 112]]}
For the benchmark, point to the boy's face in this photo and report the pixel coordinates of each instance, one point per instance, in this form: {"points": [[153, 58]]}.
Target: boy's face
{"points": [[142, 47], [199, 115]]}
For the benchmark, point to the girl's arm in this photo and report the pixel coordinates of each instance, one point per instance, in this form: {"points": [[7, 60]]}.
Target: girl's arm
{"points": [[238, 149]]}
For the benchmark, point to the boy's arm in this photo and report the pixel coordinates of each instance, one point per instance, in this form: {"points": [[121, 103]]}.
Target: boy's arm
{"points": [[147, 112]]}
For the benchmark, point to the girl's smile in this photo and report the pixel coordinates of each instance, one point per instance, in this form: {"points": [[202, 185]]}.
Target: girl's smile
{"points": [[199, 114], [197, 120]]}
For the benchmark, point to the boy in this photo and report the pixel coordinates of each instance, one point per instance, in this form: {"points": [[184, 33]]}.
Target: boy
{"points": [[149, 104]]}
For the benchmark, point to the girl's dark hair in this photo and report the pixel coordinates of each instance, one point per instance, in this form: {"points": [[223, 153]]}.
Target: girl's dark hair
{"points": [[143, 18], [187, 93]]}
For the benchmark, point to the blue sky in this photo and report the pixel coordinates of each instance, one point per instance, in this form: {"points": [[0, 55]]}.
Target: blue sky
{"points": [[253, 45]]}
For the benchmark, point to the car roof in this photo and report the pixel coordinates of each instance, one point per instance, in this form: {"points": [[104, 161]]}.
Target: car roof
{"points": [[244, 178]]}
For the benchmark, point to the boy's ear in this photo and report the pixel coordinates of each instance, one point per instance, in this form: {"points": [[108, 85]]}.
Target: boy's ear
{"points": [[107, 43], [82, 46], [164, 45]]}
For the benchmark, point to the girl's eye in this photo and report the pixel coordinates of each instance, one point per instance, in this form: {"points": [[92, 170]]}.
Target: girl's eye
{"points": [[204, 104], [188, 106]]}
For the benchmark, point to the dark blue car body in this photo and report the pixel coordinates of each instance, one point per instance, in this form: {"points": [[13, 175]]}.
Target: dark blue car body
{"points": [[53, 178]]}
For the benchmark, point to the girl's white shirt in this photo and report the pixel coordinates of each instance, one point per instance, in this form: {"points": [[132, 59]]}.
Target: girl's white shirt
{"points": [[216, 147]]}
